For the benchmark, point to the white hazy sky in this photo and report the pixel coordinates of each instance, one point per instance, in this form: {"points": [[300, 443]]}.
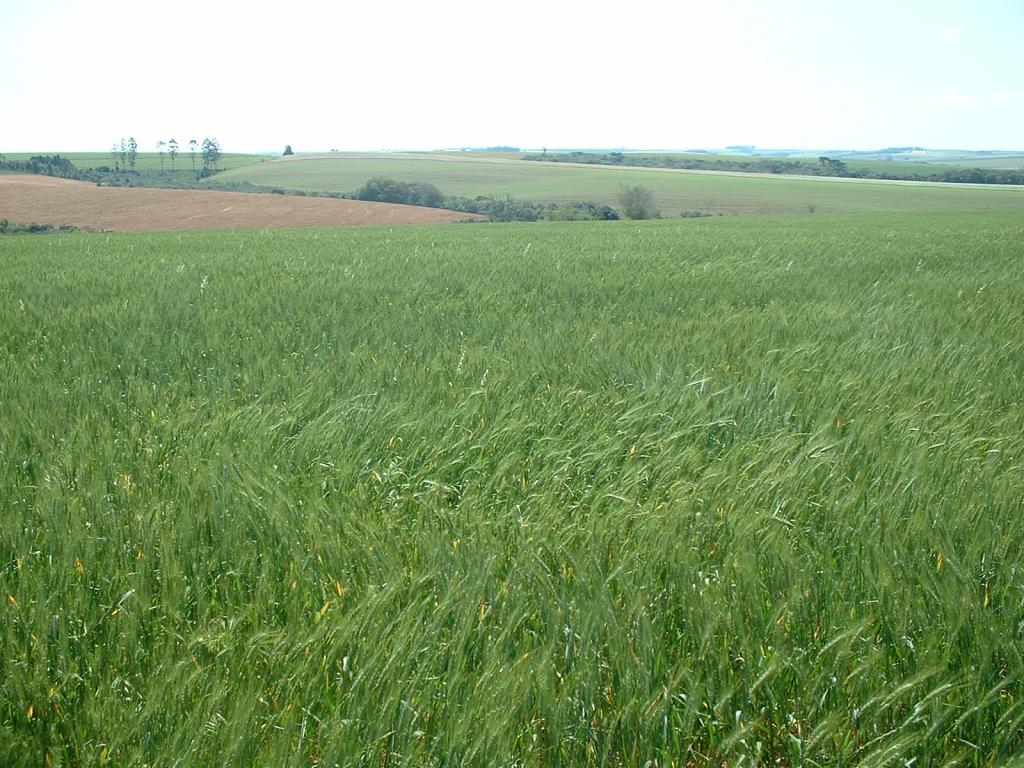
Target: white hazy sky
{"points": [[80, 74]]}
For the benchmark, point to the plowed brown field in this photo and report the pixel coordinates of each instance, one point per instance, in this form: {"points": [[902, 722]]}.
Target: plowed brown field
{"points": [[60, 202]]}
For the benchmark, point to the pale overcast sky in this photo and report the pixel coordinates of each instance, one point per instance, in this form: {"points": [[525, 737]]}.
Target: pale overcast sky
{"points": [[80, 74]]}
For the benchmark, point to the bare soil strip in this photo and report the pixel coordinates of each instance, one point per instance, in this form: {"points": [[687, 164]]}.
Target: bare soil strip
{"points": [[61, 202]]}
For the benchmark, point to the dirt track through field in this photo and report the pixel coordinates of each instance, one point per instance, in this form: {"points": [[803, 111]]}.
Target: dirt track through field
{"points": [[60, 202]]}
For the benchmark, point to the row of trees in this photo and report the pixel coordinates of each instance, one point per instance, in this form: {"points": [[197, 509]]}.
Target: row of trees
{"points": [[126, 153]]}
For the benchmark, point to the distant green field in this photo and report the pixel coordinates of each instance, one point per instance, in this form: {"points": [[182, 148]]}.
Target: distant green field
{"points": [[145, 160], [929, 159], [923, 163], [1009, 162], [934, 161], [739, 491], [894, 166], [673, 191], [962, 158], [938, 160]]}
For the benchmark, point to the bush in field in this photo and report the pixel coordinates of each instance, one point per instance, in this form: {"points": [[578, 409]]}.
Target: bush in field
{"points": [[637, 202]]}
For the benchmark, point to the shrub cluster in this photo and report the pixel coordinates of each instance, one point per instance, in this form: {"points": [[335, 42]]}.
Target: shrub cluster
{"points": [[382, 190], [385, 190], [511, 209], [13, 228], [45, 165]]}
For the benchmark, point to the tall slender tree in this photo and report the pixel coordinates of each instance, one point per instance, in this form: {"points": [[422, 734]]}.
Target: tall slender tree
{"points": [[133, 151], [172, 150], [192, 144], [160, 148], [113, 156], [211, 154], [124, 154]]}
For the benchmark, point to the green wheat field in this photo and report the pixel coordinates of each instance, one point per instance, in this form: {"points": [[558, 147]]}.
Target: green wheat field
{"points": [[730, 491]]}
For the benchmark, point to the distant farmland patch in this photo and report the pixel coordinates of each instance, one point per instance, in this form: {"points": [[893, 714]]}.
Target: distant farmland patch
{"points": [[61, 202], [147, 161], [674, 190]]}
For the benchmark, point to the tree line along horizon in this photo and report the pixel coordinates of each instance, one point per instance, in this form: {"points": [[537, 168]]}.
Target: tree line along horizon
{"points": [[125, 153]]}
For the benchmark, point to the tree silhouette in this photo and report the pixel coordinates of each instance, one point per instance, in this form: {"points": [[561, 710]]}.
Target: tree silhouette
{"points": [[211, 154]]}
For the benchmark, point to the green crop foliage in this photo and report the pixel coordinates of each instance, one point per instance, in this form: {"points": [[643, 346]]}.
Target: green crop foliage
{"points": [[674, 191], [733, 490]]}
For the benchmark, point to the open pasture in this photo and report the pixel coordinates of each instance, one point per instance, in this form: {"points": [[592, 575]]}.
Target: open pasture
{"points": [[724, 491], [674, 191]]}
